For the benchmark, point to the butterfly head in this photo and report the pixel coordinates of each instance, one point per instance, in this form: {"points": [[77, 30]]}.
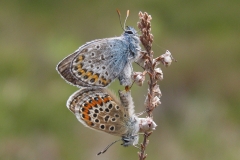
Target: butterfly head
{"points": [[130, 31], [130, 140], [131, 36]]}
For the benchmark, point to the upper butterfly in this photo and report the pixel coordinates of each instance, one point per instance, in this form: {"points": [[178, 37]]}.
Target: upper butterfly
{"points": [[99, 62]]}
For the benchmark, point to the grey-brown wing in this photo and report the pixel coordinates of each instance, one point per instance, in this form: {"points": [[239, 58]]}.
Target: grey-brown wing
{"points": [[98, 110], [97, 63]]}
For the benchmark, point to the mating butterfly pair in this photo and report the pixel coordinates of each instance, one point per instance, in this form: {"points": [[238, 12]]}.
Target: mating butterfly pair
{"points": [[94, 66]]}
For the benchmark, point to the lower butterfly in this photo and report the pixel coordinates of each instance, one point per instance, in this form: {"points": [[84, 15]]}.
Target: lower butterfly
{"points": [[99, 109]]}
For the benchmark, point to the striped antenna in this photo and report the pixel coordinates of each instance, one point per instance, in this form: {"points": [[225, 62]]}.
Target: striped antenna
{"points": [[126, 19]]}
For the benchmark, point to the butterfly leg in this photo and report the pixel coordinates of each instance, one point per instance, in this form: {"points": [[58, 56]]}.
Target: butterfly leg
{"points": [[137, 146]]}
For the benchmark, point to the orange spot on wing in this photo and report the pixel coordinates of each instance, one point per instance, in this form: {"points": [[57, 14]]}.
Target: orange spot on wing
{"points": [[99, 101], [80, 58], [86, 110], [89, 106], [104, 81], [93, 103], [86, 116], [106, 99], [88, 74], [79, 66], [94, 76], [90, 123], [81, 70]]}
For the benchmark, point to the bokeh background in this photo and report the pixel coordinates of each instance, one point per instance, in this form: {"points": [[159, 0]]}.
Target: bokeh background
{"points": [[199, 117]]}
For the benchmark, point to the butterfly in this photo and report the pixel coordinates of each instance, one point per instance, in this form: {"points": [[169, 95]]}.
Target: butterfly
{"points": [[99, 62], [99, 109]]}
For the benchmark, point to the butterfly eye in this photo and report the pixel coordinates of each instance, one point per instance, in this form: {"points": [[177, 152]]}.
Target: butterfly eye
{"points": [[129, 32]]}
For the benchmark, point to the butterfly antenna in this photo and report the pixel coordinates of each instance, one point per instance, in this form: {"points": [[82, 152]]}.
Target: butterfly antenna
{"points": [[126, 18], [119, 16], [103, 151]]}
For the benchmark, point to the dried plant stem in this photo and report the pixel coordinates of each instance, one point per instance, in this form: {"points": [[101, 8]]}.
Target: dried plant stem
{"points": [[149, 65], [150, 107], [152, 100], [147, 39]]}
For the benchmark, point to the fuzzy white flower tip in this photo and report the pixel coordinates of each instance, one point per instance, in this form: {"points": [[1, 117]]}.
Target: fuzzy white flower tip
{"points": [[167, 58], [147, 124], [138, 77], [168, 53]]}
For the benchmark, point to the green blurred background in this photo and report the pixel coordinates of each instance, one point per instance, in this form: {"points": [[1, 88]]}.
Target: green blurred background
{"points": [[199, 117]]}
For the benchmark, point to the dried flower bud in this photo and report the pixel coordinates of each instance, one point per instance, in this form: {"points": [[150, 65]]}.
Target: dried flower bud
{"points": [[139, 77], [157, 91], [156, 101], [165, 59], [149, 18], [145, 27], [141, 59], [158, 74], [147, 124]]}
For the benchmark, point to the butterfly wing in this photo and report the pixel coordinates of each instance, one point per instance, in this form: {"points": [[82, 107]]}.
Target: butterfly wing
{"points": [[99, 110], [97, 63]]}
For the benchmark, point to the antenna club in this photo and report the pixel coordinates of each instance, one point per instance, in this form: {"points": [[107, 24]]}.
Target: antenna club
{"points": [[118, 12], [126, 19], [119, 16]]}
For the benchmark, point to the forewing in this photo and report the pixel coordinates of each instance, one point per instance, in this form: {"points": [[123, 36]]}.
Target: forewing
{"points": [[97, 109], [97, 63]]}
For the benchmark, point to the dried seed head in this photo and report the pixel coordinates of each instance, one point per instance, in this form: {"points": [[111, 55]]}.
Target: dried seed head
{"points": [[145, 27], [158, 74], [166, 59], [157, 91], [156, 101], [139, 77], [142, 59], [146, 124]]}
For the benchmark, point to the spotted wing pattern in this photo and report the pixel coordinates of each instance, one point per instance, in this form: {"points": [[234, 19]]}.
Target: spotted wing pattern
{"points": [[95, 108], [97, 63]]}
